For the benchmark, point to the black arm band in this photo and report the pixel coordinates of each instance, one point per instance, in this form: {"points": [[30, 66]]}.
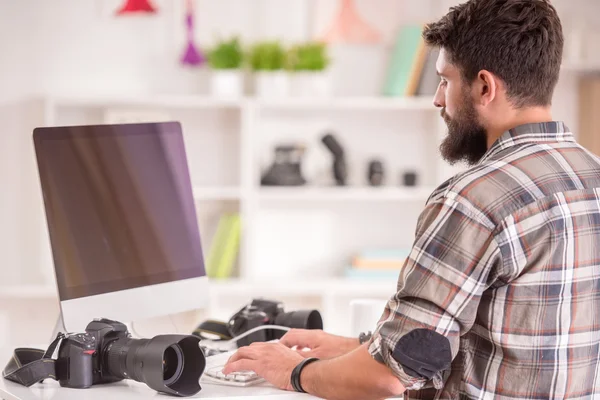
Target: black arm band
{"points": [[364, 337], [295, 378]]}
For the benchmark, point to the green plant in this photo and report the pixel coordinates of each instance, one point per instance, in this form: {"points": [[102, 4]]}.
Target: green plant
{"points": [[267, 56], [310, 56], [227, 54]]}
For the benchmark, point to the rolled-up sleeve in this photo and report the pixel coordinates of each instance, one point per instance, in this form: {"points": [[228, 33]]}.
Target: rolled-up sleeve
{"points": [[439, 289]]}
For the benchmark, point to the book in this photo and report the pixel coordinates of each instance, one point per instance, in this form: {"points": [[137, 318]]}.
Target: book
{"points": [[429, 82], [230, 248], [224, 248], [362, 263], [384, 253], [406, 64]]}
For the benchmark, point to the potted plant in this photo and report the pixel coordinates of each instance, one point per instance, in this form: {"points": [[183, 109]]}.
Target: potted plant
{"points": [[308, 63], [267, 60], [226, 59]]}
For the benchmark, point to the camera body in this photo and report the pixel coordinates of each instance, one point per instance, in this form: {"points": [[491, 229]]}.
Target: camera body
{"points": [[266, 312], [81, 356]]}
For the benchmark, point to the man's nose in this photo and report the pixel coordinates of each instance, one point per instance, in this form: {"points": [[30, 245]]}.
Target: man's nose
{"points": [[439, 99]]}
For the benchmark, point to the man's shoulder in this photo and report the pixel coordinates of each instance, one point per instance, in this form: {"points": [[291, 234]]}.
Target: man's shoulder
{"points": [[518, 176], [465, 184], [482, 189]]}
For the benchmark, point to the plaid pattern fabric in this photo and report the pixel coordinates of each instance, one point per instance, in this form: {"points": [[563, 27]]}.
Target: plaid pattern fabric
{"points": [[506, 265]]}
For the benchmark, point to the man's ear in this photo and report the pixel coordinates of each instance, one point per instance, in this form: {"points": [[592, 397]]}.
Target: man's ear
{"points": [[485, 87]]}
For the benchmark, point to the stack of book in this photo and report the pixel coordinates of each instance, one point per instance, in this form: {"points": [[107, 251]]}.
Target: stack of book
{"points": [[377, 264], [411, 71], [224, 248]]}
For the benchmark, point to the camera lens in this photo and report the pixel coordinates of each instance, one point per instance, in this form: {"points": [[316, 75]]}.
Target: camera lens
{"points": [[304, 319], [170, 364]]}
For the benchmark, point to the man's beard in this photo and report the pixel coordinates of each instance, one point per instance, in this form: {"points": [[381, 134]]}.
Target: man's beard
{"points": [[467, 139]]}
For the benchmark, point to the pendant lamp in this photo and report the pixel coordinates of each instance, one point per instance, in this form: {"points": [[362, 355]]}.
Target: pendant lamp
{"points": [[350, 27], [136, 7]]}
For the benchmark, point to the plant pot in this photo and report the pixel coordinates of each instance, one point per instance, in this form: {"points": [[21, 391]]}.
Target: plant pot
{"points": [[227, 83], [272, 84], [311, 84]]}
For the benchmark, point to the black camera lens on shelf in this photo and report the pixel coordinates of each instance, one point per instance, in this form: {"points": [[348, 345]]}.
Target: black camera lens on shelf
{"points": [[375, 174]]}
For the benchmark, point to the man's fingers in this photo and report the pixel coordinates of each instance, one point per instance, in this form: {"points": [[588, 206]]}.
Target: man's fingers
{"points": [[306, 353], [258, 344], [239, 365], [295, 338], [243, 353]]}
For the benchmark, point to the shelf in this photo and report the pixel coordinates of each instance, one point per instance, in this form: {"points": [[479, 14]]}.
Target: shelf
{"points": [[245, 287], [345, 194], [339, 287], [217, 193], [155, 101], [29, 292], [417, 103]]}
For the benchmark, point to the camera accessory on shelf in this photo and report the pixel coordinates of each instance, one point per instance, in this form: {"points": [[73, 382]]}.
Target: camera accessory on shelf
{"points": [[340, 172], [105, 353], [286, 169], [244, 327]]}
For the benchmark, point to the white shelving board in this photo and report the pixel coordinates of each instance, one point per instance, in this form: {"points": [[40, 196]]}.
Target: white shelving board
{"points": [[342, 194], [24, 292], [217, 193], [245, 288], [202, 102]]}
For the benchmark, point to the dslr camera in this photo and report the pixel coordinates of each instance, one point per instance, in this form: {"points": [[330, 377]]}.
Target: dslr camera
{"points": [[106, 353], [260, 313]]}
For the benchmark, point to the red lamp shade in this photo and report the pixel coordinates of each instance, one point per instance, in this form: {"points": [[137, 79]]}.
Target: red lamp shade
{"points": [[136, 6]]}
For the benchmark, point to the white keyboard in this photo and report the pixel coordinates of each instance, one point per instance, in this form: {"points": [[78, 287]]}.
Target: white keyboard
{"points": [[213, 372]]}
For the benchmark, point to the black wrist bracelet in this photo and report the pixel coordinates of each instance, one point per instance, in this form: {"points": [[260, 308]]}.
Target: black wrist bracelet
{"points": [[295, 378], [364, 337]]}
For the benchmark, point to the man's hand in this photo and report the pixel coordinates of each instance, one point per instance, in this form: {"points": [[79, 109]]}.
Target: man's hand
{"points": [[319, 344], [272, 361]]}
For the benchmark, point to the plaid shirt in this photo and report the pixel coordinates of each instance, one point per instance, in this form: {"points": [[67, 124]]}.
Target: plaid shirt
{"points": [[506, 266]]}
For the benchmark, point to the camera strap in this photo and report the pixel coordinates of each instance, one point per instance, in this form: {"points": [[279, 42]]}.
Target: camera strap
{"points": [[30, 366]]}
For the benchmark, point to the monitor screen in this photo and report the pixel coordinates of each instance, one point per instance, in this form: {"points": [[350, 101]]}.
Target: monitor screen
{"points": [[119, 206]]}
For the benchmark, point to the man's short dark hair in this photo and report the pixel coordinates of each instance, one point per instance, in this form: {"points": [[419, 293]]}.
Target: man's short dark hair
{"points": [[520, 41]]}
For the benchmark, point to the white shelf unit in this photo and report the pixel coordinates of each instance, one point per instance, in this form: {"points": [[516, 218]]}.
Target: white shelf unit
{"points": [[296, 241]]}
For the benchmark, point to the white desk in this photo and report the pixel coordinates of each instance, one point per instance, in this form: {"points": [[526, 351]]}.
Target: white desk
{"points": [[132, 390]]}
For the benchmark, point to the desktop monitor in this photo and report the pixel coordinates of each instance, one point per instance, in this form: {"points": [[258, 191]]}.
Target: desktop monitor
{"points": [[122, 221]]}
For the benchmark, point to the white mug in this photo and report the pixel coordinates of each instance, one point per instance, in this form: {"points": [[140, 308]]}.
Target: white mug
{"points": [[364, 315]]}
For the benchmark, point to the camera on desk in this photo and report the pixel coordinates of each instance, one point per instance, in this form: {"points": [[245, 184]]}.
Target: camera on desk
{"points": [[106, 353], [253, 323], [265, 312]]}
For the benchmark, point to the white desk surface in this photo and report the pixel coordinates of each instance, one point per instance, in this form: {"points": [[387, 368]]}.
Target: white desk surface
{"points": [[132, 390]]}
